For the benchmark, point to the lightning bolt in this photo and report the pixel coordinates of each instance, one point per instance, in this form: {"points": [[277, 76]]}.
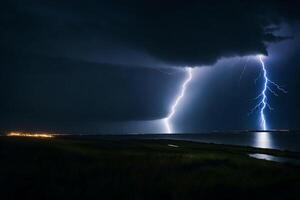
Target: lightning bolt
{"points": [[177, 100], [268, 86]]}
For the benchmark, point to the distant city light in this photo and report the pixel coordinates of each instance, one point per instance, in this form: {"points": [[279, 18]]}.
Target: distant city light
{"points": [[26, 134]]}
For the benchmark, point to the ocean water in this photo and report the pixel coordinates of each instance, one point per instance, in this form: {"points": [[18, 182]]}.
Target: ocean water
{"points": [[271, 140], [284, 140]]}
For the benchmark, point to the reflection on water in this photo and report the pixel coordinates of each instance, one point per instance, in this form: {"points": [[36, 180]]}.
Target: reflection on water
{"points": [[263, 140], [268, 157]]}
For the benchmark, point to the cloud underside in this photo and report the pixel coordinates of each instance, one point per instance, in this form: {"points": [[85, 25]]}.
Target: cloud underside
{"points": [[177, 32]]}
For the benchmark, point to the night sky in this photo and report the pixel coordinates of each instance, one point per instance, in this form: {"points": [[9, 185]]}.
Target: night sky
{"points": [[117, 66]]}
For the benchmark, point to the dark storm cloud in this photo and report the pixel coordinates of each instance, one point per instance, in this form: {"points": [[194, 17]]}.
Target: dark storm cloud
{"points": [[81, 91], [72, 60], [176, 32]]}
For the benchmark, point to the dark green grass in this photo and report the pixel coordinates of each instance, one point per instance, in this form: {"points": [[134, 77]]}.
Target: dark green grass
{"points": [[69, 168]]}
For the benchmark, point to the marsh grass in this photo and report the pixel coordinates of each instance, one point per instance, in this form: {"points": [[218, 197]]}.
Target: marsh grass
{"points": [[72, 168]]}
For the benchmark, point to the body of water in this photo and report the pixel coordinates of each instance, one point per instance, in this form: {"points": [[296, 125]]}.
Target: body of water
{"points": [[279, 159], [284, 140], [271, 140]]}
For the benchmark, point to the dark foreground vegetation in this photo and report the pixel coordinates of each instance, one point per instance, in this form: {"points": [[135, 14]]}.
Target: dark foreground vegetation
{"points": [[82, 168]]}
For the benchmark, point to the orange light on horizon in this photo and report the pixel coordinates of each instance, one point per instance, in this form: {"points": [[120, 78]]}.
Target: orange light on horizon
{"points": [[36, 135]]}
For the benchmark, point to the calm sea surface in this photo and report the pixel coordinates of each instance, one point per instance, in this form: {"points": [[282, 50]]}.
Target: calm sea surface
{"points": [[271, 140]]}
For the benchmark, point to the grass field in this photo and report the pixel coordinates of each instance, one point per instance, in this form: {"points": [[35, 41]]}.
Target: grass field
{"points": [[82, 168]]}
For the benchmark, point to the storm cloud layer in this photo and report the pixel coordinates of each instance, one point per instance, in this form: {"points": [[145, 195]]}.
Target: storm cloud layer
{"points": [[176, 32], [88, 60]]}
